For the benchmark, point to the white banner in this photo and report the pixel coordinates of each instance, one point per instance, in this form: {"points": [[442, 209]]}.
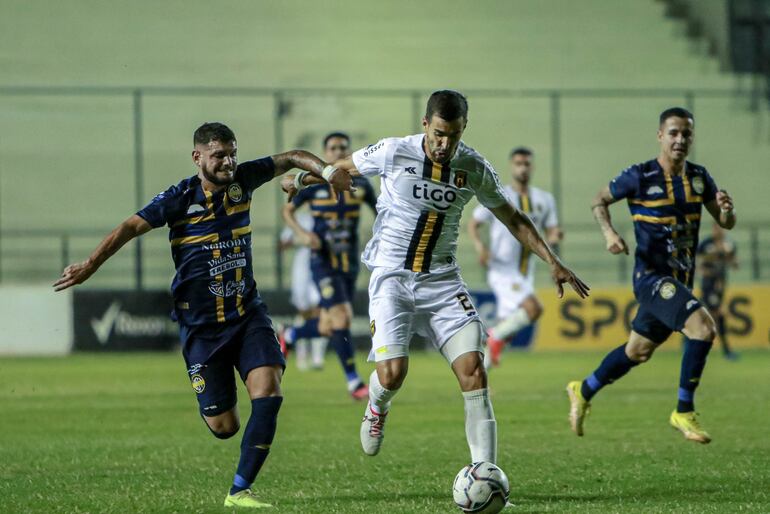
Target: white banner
{"points": [[35, 321]]}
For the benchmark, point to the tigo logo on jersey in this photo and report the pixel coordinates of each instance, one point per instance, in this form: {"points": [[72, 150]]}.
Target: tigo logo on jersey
{"points": [[435, 195], [235, 192]]}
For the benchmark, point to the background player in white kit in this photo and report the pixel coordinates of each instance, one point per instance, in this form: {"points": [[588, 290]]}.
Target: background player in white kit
{"points": [[415, 286], [305, 298], [510, 265]]}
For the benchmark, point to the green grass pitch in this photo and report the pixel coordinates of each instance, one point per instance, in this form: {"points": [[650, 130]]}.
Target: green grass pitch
{"points": [[121, 434]]}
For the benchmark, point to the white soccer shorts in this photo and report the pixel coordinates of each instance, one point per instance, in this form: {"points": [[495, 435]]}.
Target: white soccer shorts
{"points": [[403, 303], [510, 288], [304, 293]]}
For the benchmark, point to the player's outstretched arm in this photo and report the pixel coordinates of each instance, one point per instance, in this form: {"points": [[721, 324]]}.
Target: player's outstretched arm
{"points": [[600, 207], [79, 272], [722, 209], [478, 244], [522, 228], [301, 235], [311, 164]]}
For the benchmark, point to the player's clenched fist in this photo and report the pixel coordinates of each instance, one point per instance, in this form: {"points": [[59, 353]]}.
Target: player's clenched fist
{"points": [[724, 201], [615, 244]]}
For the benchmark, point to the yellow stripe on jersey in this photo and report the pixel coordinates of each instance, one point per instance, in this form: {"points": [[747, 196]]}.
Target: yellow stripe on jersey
{"points": [[435, 172], [220, 300], [238, 277], [666, 220], [688, 196], [525, 251], [669, 200], [242, 231], [345, 263], [207, 238], [207, 216], [430, 223]]}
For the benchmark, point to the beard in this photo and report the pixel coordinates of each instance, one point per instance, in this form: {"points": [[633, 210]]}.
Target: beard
{"points": [[216, 180]]}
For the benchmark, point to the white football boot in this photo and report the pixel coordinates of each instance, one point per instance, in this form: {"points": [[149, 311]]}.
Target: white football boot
{"points": [[372, 427]]}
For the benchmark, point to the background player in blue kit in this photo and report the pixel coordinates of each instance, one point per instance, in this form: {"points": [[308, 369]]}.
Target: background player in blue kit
{"points": [[665, 196], [717, 253], [335, 260], [223, 322]]}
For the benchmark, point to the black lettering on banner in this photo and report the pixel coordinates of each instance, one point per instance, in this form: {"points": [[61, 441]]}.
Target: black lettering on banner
{"points": [[629, 313], [570, 313], [465, 302], [745, 324], [609, 319]]}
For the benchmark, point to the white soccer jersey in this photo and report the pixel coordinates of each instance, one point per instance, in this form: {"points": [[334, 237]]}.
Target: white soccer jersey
{"points": [[304, 294], [506, 252], [420, 202]]}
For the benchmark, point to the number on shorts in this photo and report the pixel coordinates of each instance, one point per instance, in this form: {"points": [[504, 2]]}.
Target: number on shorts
{"points": [[465, 302]]}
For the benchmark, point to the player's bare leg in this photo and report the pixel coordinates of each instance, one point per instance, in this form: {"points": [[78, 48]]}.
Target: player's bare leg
{"points": [[384, 383], [462, 350], [264, 387], [498, 336], [700, 331], [616, 364]]}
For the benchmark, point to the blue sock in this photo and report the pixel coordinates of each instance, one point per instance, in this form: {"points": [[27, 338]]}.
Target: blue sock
{"points": [[257, 438], [615, 365], [342, 342], [693, 362], [308, 330]]}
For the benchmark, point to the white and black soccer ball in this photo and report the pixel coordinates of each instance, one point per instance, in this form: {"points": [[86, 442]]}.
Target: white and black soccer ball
{"points": [[481, 487]]}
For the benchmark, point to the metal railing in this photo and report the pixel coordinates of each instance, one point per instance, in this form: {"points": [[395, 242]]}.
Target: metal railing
{"points": [[40, 255]]}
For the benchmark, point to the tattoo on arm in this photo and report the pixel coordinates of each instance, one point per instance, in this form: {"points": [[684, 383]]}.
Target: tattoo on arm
{"points": [[297, 159]]}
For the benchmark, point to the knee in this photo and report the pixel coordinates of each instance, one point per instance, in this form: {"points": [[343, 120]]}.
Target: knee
{"points": [[339, 319], [705, 331], [536, 310], [391, 379], [640, 352], [473, 377], [223, 428]]}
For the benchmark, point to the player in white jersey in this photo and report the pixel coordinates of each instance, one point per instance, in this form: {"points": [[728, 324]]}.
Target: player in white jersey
{"points": [[415, 286], [510, 266], [305, 298]]}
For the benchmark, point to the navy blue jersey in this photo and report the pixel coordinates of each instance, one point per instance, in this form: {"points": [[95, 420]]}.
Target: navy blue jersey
{"points": [[715, 258], [666, 211], [210, 236], [335, 221]]}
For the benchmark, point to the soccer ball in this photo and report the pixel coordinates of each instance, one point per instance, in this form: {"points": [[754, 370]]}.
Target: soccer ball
{"points": [[481, 487]]}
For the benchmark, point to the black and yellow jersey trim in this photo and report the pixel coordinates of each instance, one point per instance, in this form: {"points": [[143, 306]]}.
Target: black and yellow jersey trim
{"points": [[424, 240]]}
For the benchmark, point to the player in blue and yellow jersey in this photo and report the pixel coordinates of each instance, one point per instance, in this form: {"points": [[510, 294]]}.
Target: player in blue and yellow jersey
{"points": [[665, 196], [223, 322], [717, 253], [334, 261]]}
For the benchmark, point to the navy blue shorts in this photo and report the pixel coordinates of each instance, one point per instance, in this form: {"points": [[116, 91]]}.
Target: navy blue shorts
{"points": [[212, 351], [336, 287], [664, 306]]}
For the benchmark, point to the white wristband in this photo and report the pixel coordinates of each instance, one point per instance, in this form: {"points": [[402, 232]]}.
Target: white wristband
{"points": [[328, 172], [728, 211], [298, 180]]}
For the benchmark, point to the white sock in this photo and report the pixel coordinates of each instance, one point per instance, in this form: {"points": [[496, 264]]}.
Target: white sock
{"points": [[318, 350], [379, 397], [512, 324], [480, 426], [301, 351], [487, 359]]}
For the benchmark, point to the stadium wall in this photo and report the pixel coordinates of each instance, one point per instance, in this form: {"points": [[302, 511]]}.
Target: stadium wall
{"points": [[35, 321]]}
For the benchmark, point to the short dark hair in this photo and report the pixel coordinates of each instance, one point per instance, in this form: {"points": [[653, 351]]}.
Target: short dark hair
{"points": [[678, 112], [213, 131], [448, 105], [520, 150], [331, 135]]}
